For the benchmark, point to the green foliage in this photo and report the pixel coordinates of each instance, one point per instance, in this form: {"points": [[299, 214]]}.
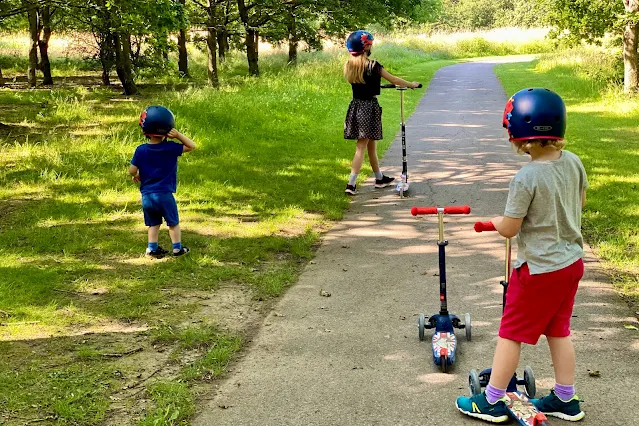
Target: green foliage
{"points": [[174, 404], [485, 14], [587, 20]]}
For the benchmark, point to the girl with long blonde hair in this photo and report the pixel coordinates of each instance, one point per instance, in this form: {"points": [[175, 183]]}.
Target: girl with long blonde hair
{"points": [[364, 117]]}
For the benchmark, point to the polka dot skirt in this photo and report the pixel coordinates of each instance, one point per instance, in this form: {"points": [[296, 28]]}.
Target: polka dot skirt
{"points": [[363, 120]]}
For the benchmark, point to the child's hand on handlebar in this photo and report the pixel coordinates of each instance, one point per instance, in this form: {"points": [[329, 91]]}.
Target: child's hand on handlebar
{"points": [[415, 85]]}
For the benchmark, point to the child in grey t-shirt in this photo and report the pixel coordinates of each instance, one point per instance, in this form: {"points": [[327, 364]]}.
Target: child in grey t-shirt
{"points": [[544, 211]]}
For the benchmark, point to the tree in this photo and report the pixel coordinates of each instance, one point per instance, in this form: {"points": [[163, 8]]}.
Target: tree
{"points": [[183, 59], [590, 20]]}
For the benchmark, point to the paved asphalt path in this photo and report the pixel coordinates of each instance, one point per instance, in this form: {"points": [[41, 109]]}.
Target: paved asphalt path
{"points": [[354, 358]]}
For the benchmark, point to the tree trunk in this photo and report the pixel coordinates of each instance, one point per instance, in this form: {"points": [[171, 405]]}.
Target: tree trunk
{"points": [[123, 65], [45, 65], [34, 33], [630, 57], [252, 51], [183, 59], [211, 46], [293, 37], [250, 39], [1, 78], [631, 75], [222, 44]]}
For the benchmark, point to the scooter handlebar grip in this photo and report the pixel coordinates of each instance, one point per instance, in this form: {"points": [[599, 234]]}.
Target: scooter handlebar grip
{"points": [[388, 86], [420, 86], [484, 227], [423, 210], [457, 210], [447, 210]]}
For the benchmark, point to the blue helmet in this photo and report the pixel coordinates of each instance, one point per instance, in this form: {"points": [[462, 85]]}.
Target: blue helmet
{"points": [[156, 121], [357, 41], [535, 114]]}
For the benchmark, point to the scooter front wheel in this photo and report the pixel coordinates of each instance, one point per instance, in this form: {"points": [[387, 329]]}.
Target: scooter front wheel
{"points": [[421, 322], [474, 386], [468, 327], [444, 362]]}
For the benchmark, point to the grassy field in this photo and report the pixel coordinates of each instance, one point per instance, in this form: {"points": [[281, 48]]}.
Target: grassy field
{"points": [[603, 130], [94, 333]]}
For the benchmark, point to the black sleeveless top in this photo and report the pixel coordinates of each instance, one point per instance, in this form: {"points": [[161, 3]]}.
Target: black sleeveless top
{"points": [[371, 87]]}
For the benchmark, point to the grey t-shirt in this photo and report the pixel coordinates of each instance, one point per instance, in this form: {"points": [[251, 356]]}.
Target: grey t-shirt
{"points": [[547, 194]]}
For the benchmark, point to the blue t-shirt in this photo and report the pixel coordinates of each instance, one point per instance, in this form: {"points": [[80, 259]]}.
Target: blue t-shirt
{"points": [[158, 166]]}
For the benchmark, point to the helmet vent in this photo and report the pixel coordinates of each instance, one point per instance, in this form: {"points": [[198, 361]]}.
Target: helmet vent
{"points": [[528, 119], [530, 90]]}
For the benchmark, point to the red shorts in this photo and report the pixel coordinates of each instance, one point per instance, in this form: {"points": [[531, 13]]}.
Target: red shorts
{"points": [[540, 304]]}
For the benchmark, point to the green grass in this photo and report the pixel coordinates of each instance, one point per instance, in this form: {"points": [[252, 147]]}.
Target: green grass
{"points": [[266, 179], [602, 130]]}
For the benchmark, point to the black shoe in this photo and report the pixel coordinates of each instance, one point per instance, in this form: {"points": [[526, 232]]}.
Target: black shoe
{"points": [[183, 251], [163, 251], [384, 182], [157, 253], [350, 190]]}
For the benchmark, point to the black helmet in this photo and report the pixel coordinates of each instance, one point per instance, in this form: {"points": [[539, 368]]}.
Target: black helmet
{"points": [[535, 114], [156, 121]]}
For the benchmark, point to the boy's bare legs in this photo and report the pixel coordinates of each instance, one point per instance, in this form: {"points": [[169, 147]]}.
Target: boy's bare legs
{"points": [[175, 234], [154, 233], [562, 352], [505, 364]]}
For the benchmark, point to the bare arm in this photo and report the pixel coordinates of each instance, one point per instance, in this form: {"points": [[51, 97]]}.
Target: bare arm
{"points": [[507, 227], [135, 172], [583, 198], [398, 81], [189, 145]]}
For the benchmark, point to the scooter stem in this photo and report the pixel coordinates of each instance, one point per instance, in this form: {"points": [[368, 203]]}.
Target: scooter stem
{"points": [[508, 260]]}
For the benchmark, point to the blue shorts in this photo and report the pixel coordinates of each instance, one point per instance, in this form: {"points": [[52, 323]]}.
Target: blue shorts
{"points": [[159, 205]]}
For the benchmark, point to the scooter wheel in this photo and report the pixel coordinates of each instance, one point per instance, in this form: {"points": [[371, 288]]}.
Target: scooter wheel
{"points": [[420, 324], [529, 382], [468, 327], [445, 366], [473, 382]]}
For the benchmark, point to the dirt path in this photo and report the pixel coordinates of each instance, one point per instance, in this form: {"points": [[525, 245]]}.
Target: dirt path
{"points": [[354, 358]]}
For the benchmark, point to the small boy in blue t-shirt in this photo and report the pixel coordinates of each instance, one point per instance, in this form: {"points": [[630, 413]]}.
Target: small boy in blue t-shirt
{"points": [[154, 166]]}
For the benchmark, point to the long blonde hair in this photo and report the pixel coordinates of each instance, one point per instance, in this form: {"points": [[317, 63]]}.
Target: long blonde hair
{"points": [[355, 67]]}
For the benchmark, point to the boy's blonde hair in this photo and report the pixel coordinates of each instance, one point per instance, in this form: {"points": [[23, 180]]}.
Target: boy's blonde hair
{"points": [[523, 147], [355, 67]]}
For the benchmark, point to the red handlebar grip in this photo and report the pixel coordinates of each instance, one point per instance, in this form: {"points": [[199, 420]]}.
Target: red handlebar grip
{"points": [[457, 210], [484, 227], [447, 210], [423, 210]]}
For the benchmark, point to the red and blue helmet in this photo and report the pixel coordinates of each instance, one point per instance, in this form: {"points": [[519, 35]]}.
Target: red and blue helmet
{"points": [[535, 114], [156, 121], [357, 41]]}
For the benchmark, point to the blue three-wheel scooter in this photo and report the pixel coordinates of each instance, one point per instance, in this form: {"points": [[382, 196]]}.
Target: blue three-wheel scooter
{"points": [[444, 341]]}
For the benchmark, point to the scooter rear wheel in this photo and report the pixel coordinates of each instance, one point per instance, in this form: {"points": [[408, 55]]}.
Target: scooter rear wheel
{"points": [[421, 324], [474, 386], [468, 327], [529, 382]]}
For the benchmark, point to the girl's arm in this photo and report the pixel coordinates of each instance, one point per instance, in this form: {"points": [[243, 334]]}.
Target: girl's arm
{"points": [[507, 227], [398, 81]]}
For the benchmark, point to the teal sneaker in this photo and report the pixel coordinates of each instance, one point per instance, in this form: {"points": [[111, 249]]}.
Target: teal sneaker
{"points": [[477, 406], [551, 405]]}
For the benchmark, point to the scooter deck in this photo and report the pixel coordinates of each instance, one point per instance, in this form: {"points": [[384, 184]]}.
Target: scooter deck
{"points": [[523, 411]]}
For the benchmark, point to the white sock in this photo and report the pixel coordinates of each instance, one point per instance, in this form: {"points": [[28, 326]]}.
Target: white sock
{"points": [[379, 175], [353, 180]]}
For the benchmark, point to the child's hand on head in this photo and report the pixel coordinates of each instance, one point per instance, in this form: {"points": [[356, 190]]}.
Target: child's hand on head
{"points": [[136, 178], [173, 134]]}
